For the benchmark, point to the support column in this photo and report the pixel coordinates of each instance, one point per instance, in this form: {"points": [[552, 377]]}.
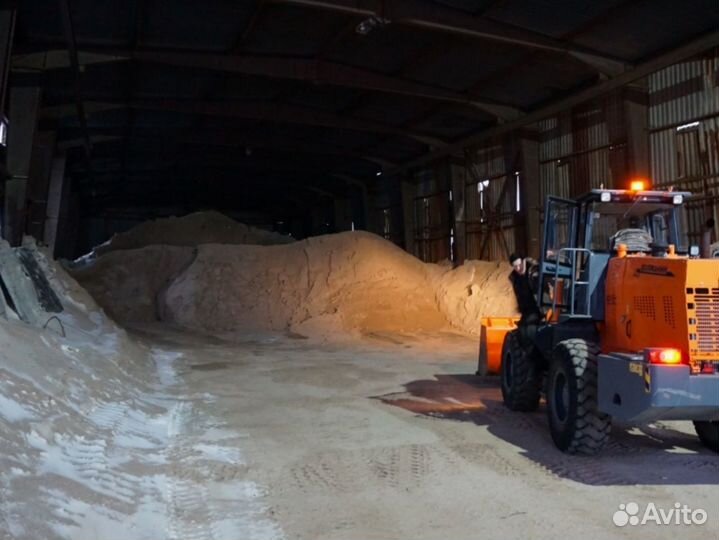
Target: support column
{"points": [[364, 195], [7, 27], [459, 185], [409, 192], [343, 215], [531, 203], [55, 200], [38, 184], [361, 221], [627, 116], [636, 114], [24, 106]]}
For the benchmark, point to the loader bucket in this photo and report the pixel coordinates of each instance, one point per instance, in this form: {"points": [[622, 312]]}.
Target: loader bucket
{"points": [[491, 339]]}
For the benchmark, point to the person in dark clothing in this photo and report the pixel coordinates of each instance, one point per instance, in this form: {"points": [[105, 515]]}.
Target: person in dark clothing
{"points": [[523, 270], [707, 234]]}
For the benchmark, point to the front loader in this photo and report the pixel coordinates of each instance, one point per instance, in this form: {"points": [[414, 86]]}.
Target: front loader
{"points": [[631, 327]]}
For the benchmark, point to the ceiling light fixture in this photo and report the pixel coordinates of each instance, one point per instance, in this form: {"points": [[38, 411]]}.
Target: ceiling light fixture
{"points": [[366, 26]]}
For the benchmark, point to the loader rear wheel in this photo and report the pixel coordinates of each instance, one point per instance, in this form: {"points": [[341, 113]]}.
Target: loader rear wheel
{"points": [[576, 425], [708, 434], [520, 377]]}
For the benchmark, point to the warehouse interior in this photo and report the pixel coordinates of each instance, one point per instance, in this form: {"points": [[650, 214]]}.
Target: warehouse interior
{"points": [[248, 248]]}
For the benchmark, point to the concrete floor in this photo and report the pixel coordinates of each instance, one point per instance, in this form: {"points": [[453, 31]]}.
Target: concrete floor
{"points": [[395, 438]]}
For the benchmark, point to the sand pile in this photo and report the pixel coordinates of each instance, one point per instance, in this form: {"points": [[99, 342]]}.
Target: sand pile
{"points": [[101, 438], [474, 290], [348, 281], [127, 283], [192, 230], [353, 282]]}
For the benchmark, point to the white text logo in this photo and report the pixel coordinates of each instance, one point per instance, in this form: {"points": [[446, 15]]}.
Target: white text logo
{"points": [[679, 514]]}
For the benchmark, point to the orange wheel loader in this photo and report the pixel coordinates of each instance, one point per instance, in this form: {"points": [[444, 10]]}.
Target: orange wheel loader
{"points": [[634, 334]]}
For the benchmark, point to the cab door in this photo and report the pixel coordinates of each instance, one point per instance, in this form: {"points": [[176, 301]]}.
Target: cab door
{"points": [[561, 224]]}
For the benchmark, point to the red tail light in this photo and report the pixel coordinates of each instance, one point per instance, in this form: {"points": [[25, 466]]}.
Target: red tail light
{"points": [[664, 356]]}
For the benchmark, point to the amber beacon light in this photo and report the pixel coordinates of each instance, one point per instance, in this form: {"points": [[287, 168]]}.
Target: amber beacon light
{"points": [[638, 185]]}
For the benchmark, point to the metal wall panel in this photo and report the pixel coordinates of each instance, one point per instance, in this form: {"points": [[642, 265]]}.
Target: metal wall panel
{"points": [[490, 208], [575, 151], [432, 227], [389, 223], [487, 162], [490, 221], [663, 157], [684, 135], [554, 178], [598, 171], [554, 142], [684, 92]]}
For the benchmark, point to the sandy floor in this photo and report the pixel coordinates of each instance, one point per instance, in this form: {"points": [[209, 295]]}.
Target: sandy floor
{"points": [[397, 439]]}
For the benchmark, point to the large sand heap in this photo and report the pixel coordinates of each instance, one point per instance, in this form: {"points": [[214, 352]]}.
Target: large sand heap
{"points": [[191, 230], [353, 282]]}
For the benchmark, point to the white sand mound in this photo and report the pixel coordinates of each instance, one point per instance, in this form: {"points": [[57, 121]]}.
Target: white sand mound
{"points": [[97, 436], [191, 230], [353, 282]]}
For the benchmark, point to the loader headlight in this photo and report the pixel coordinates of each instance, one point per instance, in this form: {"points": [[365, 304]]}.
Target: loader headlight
{"points": [[605, 196], [678, 199], [693, 251]]}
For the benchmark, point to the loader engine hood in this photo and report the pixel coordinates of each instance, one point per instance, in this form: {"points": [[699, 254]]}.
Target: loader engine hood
{"points": [[663, 302]]}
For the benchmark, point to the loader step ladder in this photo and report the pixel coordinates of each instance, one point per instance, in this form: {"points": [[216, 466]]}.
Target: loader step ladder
{"points": [[571, 274]]}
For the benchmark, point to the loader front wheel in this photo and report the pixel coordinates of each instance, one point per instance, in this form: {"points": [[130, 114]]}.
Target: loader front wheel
{"points": [[520, 377], [708, 433], [576, 425]]}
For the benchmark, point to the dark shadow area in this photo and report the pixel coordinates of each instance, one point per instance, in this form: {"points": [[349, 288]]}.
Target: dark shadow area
{"points": [[646, 454]]}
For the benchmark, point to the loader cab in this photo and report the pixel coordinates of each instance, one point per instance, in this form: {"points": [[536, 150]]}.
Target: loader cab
{"points": [[580, 237]]}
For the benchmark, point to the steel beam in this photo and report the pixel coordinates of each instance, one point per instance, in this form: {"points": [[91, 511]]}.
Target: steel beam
{"points": [[66, 16], [247, 31], [269, 112], [237, 140], [324, 72], [688, 50], [234, 140], [278, 113], [312, 70], [434, 17], [60, 59]]}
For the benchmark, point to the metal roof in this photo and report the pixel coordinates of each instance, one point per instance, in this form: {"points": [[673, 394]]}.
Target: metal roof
{"points": [[302, 93]]}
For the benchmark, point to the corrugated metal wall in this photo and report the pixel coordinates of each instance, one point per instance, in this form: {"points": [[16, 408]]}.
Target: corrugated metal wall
{"points": [[588, 147], [388, 223], [490, 206], [575, 151], [684, 134], [432, 233], [385, 214]]}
